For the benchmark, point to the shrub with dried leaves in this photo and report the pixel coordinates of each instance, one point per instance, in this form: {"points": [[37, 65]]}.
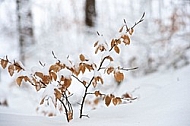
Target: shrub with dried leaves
{"points": [[59, 76]]}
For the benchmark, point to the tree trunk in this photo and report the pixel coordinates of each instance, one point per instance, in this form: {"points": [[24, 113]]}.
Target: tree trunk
{"points": [[25, 26], [90, 13]]}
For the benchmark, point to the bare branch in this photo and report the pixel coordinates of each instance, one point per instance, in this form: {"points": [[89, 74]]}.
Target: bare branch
{"points": [[136, 23]]}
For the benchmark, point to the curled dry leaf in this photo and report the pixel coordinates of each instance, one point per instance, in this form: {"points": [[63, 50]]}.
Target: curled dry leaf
{"points": [[107, 100], [117, 50], [39, 74], [18, 67], [89, 67], [11, 69], [57, 94], [126, 39], [112, 43], [110, 70], [126, 95], [101, 48], [98, 78], [117, 41], [97, 93], [37, 86], [82, 68], [53, 76], [94, 83], [42, 101], [54, 68], [131, 31], [118, 76], [67, 83], [46, 79], [109, 57], [84, 82], [82, 58], [116, 101], [19, 80], [4, 63], [70, 115]]}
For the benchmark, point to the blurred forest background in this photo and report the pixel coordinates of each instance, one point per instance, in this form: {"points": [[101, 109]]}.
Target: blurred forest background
{"points": [[32, 29]]}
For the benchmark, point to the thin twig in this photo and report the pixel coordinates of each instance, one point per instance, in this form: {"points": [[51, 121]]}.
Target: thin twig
{"points": [[78, 80], [127, 69], [136, 23], [99, 94]]}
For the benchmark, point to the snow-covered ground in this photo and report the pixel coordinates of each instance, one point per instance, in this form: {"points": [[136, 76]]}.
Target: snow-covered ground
{"points": [[163, 100]]}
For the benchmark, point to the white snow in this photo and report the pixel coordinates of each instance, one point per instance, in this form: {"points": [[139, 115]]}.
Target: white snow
{"points": [[162, 101]]}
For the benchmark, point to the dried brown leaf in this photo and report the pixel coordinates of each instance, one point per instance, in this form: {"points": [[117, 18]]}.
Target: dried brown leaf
{"points": [[94, 83], [84, 82], [53, 76], [131, 31], [4, 63], [18, 67], [110, 70], [82, 68], [26, 79], [38, 87], [89, 67], [19, 80], [126, 95], [42, 101], [101, 80], [126, 39], [107, 100], [67, 83], [70, 115], [39, 74], [109, 57], [82, 58], [117, 50], [118, 76], [97, 93], [57, 94], [54, 68], [118, 41], [11, 69], [46, 79], [112, 43], [116, 101]]}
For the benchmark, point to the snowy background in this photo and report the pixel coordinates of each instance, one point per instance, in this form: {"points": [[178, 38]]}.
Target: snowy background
{"points": [[160, 47]]}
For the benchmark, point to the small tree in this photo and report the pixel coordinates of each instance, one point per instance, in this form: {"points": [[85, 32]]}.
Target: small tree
{"points": [[57, 78]]}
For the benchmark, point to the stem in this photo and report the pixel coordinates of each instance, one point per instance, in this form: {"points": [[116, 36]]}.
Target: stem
{"points": [[66, 111], [84, 97], [82, 104]]}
